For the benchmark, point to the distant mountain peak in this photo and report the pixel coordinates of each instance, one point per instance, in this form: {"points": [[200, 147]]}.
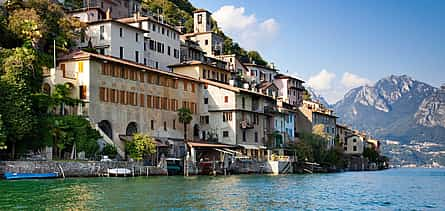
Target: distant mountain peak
{"points": [[396, 106]]}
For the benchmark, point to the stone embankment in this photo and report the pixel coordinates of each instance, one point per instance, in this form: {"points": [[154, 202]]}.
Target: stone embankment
{"points": [[78, 168]]}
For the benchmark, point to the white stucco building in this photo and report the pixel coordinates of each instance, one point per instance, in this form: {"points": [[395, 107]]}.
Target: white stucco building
{"points": [[163, 45], [116, 39]]}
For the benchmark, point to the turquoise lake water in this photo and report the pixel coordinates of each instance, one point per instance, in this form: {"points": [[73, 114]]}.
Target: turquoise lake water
{"points": [[394, 189]]}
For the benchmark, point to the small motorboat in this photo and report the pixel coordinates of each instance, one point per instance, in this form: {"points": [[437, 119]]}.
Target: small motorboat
{"points": [[119, 171], [16, 176]]}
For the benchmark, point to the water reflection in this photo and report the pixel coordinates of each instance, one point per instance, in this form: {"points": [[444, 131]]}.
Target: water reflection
{"points": [[417, 189]]}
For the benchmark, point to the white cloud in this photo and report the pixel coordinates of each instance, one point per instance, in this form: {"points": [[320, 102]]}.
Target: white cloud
{"points": [[325, 84], [245, 28], [350, 80], [322, 81]]}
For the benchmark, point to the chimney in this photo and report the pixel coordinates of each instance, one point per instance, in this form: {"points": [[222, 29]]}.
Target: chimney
{"points": [[108, 14]]}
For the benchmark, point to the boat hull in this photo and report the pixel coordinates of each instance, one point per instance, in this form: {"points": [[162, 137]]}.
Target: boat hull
{"points": [[16, 176]]}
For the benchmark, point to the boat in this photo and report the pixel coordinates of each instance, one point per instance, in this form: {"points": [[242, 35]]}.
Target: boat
{"points": [[174, 166], [119, 171], [16, 176]]}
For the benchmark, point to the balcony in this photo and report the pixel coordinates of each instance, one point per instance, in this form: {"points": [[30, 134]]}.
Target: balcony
{"points": [[270, 109], [246, 125]]}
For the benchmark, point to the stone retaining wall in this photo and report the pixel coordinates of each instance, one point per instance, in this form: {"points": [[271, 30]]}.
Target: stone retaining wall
{"points": [[77, 168]]}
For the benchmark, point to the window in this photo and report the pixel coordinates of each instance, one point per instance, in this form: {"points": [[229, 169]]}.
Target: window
{"points": [[185, 85], [159, 47], [165, 126], [137, 37], [193, 87], [120, 32], [226, 99], [354, 140], [227, 116], [225, 134], [206, 100], [80, 67], [244, 136], [152, 45], [121, 52], [354, 148], [204, 74], [256, 137], [153, 27], [141, 100], [149, 103], [102, 51], [136, 55], [168, 50], [145, 61], [174, 124], [199, 18], [82, 92], [152, 124], [243, 103], [176, 53], [102, 94], [145, 46], [102, 31], [206, 42], [163, 30]]}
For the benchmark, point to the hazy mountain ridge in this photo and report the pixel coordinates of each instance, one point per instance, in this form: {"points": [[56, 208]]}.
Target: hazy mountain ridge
{"points": [[316, 97], [399, 108]]}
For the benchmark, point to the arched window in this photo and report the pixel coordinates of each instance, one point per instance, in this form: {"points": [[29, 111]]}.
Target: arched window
{"points": [[105, 126], [132, 128]]}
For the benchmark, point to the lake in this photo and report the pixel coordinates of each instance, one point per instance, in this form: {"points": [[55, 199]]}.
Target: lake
{"points": [[393, 189]]}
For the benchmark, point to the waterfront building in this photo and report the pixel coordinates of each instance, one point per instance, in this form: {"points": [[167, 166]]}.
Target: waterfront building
{"points": [[190, 51], [162, 47], [210, 42], [118, 8], [89, 14], [260, 73], [237, 69], [290, 89], [316, 114], [113, 38], [373, 143], [230, 115], [354, 144], [123, 97]]}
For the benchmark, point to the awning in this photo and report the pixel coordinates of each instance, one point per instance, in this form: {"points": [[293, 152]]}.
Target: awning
{"points": [[233, 151], [223, 151], [130, 138], [248, 146], [210, 145]]}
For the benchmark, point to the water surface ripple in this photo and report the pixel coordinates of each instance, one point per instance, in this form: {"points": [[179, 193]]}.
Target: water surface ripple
{"points": [[395, 189]]}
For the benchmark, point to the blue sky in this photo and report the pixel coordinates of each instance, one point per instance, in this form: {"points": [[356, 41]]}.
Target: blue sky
{"points": [[337, 44]]}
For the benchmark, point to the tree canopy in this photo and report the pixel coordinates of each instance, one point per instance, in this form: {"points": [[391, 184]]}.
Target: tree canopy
{"points": [[141, 146]]}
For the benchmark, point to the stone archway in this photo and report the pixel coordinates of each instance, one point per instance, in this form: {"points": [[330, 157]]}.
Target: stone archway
{"points": [[132, 128], [105, 126]]}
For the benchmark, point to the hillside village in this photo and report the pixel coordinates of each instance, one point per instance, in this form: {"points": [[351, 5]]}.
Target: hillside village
{"points": [[131, 72]]}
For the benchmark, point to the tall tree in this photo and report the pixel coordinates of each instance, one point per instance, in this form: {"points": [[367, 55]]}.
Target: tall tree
{"points": [[185, 117], [2, 135]]}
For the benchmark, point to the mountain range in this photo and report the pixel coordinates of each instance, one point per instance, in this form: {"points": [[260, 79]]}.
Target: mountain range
{"points": [[401, 110]]}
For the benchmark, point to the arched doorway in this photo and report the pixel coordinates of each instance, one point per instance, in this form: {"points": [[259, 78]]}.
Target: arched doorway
{"points": [[196, 130], [46, 89], [105, 126], [132, 128]]}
